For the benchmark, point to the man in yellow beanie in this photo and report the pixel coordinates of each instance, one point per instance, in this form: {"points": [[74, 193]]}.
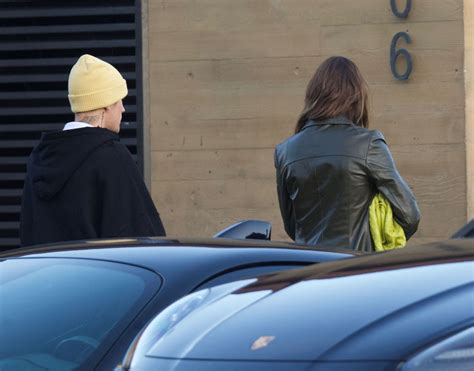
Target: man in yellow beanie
{"points": [[81, 182]]}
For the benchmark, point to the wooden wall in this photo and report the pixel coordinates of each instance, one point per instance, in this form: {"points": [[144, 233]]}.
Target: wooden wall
{"points": [[469, 98], [227, 80]]}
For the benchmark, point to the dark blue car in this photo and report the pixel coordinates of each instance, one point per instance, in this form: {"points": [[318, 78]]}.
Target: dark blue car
{"points": [[411, 309], [80, 305]]}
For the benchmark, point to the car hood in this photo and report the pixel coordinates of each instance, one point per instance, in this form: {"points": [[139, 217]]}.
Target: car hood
{"points": [[376, 315]]}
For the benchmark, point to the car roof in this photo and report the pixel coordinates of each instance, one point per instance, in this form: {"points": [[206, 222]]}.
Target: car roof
{"points": [[347, 310], [164, 241], [166, 255]]}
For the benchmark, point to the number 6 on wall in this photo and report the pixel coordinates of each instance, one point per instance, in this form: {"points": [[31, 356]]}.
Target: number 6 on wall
{"points": [[395, 53]]}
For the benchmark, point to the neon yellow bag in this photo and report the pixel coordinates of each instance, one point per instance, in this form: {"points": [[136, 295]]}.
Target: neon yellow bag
{"points": [[386, 233]]}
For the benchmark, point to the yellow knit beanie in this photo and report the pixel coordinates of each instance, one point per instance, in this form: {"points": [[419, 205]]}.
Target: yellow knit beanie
{"points": [[94, 84]]}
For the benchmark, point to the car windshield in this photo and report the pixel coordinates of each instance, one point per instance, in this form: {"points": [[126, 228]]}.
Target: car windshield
{"points": [[58, 314]]}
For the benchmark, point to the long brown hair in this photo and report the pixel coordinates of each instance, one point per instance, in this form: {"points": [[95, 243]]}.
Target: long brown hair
{"points": [[337, 88]]}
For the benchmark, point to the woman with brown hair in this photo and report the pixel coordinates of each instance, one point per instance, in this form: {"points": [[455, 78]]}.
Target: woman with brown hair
{"points": [[329, 171]]}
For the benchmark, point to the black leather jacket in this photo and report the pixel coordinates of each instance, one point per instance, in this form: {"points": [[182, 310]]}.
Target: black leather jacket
{"points": [[327, 176]]}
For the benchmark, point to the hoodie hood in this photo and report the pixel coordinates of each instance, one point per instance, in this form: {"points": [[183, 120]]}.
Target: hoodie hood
{"points": [[59, 154]]}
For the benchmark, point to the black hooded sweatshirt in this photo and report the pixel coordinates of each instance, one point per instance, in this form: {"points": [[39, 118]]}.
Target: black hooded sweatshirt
{"points": [[84, 184]]}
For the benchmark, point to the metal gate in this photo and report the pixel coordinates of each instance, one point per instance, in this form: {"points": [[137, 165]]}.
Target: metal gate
{"points": [[39, 43]]}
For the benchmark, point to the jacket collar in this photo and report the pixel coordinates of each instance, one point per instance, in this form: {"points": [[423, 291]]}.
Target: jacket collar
{"points": [[339, 120]]}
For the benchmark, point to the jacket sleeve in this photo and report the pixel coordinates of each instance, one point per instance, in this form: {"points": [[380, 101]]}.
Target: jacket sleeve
{"points": [[286, 205], [388, 181], [127, 209]]}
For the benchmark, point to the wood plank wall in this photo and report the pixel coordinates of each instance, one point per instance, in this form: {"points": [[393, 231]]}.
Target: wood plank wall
{"points": [[469, 88], [226, 83]]}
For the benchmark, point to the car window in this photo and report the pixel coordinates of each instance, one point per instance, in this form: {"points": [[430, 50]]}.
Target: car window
{"points": [[249, 272], [57, 313]]}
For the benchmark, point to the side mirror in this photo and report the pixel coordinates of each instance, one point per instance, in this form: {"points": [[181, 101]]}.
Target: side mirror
{"points": [[467, 231], [247, 229]]}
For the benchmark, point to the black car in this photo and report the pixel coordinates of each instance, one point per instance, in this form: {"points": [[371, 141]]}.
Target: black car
{"points": [[411, 309], [80, 305]]}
